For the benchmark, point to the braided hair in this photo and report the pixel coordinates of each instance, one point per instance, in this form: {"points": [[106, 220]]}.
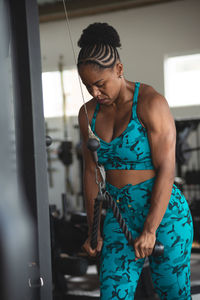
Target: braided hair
{"points": [[98, 43]]}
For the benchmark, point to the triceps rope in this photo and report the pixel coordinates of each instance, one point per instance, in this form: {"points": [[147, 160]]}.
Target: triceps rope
{"points": [[106, 197], [102, 196], [158, 247]]}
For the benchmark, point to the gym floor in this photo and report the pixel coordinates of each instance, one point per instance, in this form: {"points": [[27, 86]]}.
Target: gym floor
{"points": [[87, 287]]}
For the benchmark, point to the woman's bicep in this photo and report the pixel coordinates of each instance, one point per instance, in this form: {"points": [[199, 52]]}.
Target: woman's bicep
{"points": [[161, 134], [162, 148]]}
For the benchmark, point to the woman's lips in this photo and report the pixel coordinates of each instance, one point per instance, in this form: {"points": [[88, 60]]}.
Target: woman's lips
{"points": [[102, 100]]}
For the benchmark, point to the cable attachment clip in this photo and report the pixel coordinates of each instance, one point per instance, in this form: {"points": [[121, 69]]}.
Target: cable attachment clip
{"points": [[101, 183]]}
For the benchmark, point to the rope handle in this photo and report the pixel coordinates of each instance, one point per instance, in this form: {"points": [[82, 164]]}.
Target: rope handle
{"points": [[158, 249]]}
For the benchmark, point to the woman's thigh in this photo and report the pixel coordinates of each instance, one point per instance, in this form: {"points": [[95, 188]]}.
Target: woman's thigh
{"points": [[171, 272], [119, 272]]}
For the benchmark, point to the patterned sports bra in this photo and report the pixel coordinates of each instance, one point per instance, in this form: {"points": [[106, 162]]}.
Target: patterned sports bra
{"points": [[130, 150]]}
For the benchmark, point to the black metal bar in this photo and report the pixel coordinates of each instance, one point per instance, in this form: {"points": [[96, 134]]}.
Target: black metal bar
{"points": [[31, 148], [192, 149], [16, 230]]}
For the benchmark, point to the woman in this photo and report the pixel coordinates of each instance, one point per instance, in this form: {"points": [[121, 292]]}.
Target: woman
{"points": [[137, 148]]}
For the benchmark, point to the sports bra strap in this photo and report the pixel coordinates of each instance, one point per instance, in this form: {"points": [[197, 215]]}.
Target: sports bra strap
{"points": [[94, 117], [135, 99]]}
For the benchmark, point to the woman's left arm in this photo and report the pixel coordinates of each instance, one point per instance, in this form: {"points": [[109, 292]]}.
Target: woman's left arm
{"points": [[162, 139]]}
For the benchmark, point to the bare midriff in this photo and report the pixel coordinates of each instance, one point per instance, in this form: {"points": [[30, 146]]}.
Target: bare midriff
{"points": [[120, 178]]}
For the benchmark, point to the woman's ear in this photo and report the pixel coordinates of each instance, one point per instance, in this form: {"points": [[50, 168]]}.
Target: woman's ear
{"points": [[119, 69]]}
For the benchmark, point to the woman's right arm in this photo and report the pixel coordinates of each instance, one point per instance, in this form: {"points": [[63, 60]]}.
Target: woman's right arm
{"points": [[89, 183]]}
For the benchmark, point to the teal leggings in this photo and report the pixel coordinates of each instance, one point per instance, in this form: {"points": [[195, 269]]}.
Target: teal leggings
{"points": [[119, 272]]}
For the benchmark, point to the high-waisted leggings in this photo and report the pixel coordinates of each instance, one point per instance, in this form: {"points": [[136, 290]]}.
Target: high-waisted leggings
{"points": [[119, 272]]}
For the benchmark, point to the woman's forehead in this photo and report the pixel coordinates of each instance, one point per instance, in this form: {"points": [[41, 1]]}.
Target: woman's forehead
{"points": [[90, 74]]}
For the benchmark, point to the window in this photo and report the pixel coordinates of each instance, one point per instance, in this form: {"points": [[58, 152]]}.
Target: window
{"points": [[73, 92], [52, 93], [182, 79]]}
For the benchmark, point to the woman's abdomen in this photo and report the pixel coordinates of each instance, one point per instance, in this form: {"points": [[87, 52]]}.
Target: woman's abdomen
{"points": [[120, 178]]}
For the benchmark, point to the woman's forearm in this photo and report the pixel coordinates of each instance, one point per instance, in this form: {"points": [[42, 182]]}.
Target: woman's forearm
{"points": [[90, 193], [160, 197]]}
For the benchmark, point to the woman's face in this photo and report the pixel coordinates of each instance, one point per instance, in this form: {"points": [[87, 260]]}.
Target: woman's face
{"points": [[103, 84]]}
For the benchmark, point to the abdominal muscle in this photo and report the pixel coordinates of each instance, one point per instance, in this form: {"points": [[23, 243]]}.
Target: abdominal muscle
{"points": [[120, 178]]}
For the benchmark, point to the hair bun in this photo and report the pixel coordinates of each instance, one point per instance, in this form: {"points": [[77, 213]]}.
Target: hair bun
{"points": [[99, 33]]}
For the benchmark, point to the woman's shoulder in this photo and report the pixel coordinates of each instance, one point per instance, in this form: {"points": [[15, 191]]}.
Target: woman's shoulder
{"points": [[82, 115], [148, 91], [149, 97], [90, 107], [151, 104]]}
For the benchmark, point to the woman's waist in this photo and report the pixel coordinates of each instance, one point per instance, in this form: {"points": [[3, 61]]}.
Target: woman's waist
{"points": [[120, 178]]}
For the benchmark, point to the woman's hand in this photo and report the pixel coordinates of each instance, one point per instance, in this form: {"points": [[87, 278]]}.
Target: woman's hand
{"points": [[87, 246], [144, 244]]}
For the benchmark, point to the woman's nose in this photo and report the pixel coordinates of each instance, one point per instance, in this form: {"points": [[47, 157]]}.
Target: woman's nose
{"points": [[95, 92]]}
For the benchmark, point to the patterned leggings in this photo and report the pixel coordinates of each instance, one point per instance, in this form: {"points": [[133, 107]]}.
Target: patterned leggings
{"points": [[119, 273]]}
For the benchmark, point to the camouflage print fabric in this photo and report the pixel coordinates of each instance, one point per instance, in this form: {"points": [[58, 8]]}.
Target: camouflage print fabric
{"points": [[119, 272], [131, 149]]}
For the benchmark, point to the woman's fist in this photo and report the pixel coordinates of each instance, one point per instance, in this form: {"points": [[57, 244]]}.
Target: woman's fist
{"points": [[144, 244], [87, 246]]}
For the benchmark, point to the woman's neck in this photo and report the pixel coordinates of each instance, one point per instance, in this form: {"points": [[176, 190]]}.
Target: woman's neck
{"points": [[126, 93]]}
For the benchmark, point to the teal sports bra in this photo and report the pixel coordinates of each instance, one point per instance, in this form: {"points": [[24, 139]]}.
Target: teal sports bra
{"points": [[130, 150]]}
